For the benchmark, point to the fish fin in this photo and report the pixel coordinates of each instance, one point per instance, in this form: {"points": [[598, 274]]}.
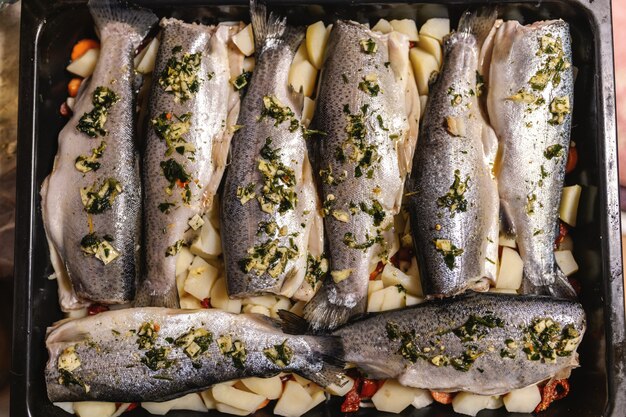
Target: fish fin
{"points": [[328, 350], [264, 27], [478, 23], [561, 288], [293, 323], [506, 220], [109, 11], [167, 300], [324, 315]]}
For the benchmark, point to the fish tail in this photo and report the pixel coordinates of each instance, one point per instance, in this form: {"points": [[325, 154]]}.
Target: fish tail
{"points": [[478, 23], [322, 314], [114, 11], [267, 28], [561, 288], [145, 299], [327, 350]]}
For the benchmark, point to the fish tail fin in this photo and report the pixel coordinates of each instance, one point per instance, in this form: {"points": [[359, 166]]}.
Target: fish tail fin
{"points": [[145, 298], [110, 11], [478, 23], [322, 314], [271, 27], [561, 288]]}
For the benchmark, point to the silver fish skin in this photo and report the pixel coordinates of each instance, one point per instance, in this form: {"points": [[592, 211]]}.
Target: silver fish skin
{"points": [[452, 195], [111, 223], [530, 72], [266, 229], [430, 346], [360, 163], [181, 133], [197, 350]]}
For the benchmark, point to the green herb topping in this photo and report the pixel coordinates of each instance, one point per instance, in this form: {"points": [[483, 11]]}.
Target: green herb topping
{"points": [[280, 355], [552, 67], [245, 194], [86, 163], [376, 211], [92, 123], [173, 250], [147, 335], [171, 128], [274, 109], [195, 342], [100, 248], [559, 108], [279, 181], [236, 350], [355, 148], [96, 199], [180, 75], [316, 269], [544, 340], [454, 200], [269, 256], [553, 151], [369, 85], [368, 46], [448, 250], [241, 82], [350, 241], [476, 327], [177, 176], [156, 358]]}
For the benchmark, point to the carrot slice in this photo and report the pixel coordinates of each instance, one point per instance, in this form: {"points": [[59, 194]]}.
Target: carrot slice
{"points": [[442, 397], [83, 46], [73, 86]]}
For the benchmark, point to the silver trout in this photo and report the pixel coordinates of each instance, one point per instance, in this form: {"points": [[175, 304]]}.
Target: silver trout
{"points": [[188, 112], [530, 100], [452, 196], [91, 202], [155, 354], [484, 343], [269, 203], [368, 119]]}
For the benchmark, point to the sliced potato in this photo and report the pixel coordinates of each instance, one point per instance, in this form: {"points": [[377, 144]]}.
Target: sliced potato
{"points": [[317, 397], [568, 211], [406, 26], [249, 63], [245, 40], [383, 26], [340, 391], [189, 302], [94, 409], [298, 308], [423, 100], [422, 398], [393, 276], [227, 409], [393, 397], [219, 298], [187, 402], [183, 260], [66, 406], [395, 297], [85, 65], [508, 241], [209, 400], [412, 300], [495, 402], [522, 400], [302, 77], [432, 46], [208, 243], [470, 404], [511, 270], [316, 38], [236, 398], [502, 290], [567, 243], [256, 310], [374, 286], [261, 300], [424, 65], [436, 28], [270, 388], [375, 301], [294, 402], [301, 380], [566, 262], [308, 109], [145, 64], [200, 278]]}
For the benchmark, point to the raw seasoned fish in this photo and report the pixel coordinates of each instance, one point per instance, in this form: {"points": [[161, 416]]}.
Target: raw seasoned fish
{"points": [[155, 354], [91, 202], [452, 196], [189, 105], [366, 110], [269, 204], [484, 343], [530, 100]]}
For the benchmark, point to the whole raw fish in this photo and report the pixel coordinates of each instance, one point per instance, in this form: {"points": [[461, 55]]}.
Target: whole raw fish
{"points": [[91, 202], [189, 106], [484, 343], [269, 205], [530, 101], [155, 354], [367, 113], [452, 196]]}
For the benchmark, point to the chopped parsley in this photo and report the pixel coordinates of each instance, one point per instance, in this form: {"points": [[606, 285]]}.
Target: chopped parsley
{"points": [[100, 248], [156, 358], [269, 256], [241, 82], [274, 109], [173, 250], [350, 241], [369, 85], [175, 173], [454, 200], [96, 199], [280, 355], [180, 75], [236, 350], [552, 67], [448, 250], [147, 335], [92, 123], [376, 211], [316, 269], [553, 151], [171, 128], [245, 194], [559, 108], [368, 46], [279, 181], [166, 206], [86, 163], [544, 340], [195, 342]]}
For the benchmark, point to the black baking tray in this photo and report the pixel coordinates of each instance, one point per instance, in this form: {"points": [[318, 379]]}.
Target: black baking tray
{"points": [[50, 29]]}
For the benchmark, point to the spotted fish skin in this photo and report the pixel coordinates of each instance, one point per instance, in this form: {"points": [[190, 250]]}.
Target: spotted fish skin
{"points": [[431, 345], [530, 102], [452, 196], [269, 202], [91, 201], [362, 110], [156, 354], [182, 132]]}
